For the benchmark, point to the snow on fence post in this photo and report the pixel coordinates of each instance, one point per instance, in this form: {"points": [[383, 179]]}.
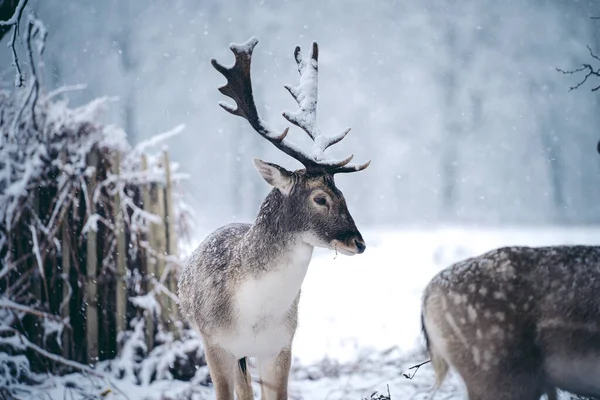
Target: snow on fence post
{"points": [[158, 241], [172, 249], [148, 262], [91, 289], [121, 272]]}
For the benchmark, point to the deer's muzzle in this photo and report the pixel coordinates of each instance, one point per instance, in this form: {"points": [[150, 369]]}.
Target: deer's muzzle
{"points": [[351, 245]]}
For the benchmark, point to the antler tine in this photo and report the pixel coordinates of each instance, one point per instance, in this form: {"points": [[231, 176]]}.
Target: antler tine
{"points": [[350, 168], [239, 82], [306, 95], [239, 89]]}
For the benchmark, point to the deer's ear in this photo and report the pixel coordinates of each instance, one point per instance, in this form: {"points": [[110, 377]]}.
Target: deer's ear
{"points": [[275, 175]]}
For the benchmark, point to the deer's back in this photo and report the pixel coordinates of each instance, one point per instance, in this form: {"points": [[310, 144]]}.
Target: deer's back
{"points": [[540, 283], [520, 309], [207, 283]]}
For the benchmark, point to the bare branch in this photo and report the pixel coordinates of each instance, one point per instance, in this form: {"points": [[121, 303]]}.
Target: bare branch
{"points": [[592, 53], [588, 69], [14, 23], [19, 75], [35, 30]]}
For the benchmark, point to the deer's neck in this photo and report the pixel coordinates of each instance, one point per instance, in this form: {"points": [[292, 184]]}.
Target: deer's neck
{"points": [[274, 239]]}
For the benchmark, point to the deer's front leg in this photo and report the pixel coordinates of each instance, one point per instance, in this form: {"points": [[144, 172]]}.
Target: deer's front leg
{"points": [[274, 373], [221, 365]]}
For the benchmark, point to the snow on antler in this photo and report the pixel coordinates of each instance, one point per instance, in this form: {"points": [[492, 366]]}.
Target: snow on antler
{"points": [[239, 88], [306, 95]]}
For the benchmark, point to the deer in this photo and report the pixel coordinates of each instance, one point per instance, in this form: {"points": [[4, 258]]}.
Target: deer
{"points": [[517, 322], [240, 288]]}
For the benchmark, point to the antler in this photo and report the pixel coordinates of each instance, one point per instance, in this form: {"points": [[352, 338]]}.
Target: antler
{"points": [[239, 88], [306, 95]]}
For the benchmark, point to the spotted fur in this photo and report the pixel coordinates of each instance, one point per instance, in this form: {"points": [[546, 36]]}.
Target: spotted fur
{"points": [[518, 322]]}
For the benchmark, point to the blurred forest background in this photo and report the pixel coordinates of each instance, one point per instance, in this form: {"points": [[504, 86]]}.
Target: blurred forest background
{"points": [[458, 103]]}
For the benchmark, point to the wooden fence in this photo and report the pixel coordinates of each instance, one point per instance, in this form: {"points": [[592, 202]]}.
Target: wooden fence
{"points": [[102, 261]]}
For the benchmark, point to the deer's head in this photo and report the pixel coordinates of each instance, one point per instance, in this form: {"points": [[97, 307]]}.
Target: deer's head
{"points": [[313, 206], [310, 202]]}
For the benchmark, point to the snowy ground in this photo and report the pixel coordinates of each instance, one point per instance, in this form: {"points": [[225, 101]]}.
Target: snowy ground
{"points": [[359, 318]]}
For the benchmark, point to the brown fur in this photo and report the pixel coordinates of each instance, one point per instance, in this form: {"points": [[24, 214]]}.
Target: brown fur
{"points": [[274, 376], [237, 253], [518, 322]]}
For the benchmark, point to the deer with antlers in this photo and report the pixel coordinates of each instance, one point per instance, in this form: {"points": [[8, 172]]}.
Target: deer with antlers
{"points": [[241, 286], [518, 322]]}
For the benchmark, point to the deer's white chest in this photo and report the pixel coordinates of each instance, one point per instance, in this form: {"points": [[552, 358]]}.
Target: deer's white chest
{"points": [[262, 305]]}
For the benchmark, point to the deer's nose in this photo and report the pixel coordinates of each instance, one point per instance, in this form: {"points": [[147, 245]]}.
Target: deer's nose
{"points": [[360, 245]]}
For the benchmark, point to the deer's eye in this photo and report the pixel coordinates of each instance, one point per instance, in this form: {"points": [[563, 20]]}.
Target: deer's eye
{"points": [[322, 201]]}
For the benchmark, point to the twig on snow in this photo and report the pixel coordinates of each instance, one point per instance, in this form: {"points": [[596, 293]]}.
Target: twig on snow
{"points": [[416, 368]]}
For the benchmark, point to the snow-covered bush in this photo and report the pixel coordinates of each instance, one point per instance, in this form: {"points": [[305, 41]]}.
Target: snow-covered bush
{"points": [[72, 193]]}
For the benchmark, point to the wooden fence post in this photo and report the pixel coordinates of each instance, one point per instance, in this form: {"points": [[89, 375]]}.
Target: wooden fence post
{"points": [[65, 265], [91, 290], [172, 245], [65, 312], [148, 262], [158, 242], [121, 286]]}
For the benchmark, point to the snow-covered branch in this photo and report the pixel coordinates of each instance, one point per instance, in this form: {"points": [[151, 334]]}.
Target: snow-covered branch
{"points": [[6, 303], [16, 17], [14, 22]]}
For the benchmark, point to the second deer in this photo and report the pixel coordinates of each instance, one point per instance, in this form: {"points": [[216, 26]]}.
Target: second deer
{"points": [[241, 287], [518, 322]]}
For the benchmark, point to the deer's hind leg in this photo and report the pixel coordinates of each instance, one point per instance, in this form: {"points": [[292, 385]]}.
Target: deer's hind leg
{"points": [[221, 365], [243, 381]]}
